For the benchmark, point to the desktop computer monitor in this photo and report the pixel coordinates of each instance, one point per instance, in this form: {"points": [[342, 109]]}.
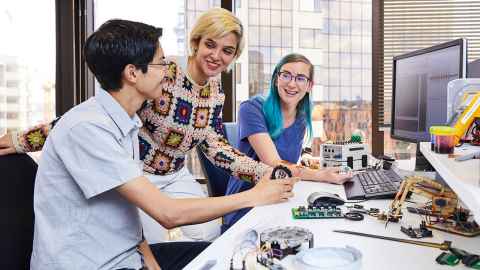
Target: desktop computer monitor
{"points": [[419, 88]]}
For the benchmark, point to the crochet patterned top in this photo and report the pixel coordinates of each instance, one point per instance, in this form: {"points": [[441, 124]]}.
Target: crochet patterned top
{"points": [[183, 117]]}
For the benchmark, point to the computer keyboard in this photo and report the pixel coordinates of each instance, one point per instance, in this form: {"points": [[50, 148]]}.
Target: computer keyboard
{"points": [[373, 184]]}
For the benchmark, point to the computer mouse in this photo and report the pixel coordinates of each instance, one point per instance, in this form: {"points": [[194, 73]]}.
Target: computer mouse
{"points": [[318, 198]]}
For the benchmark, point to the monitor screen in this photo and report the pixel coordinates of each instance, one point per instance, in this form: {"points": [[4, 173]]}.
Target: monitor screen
{"points": [[419, 87]]}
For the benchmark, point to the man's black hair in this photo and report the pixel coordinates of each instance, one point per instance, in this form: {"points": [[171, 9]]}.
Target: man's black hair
{"points": [[116, 44]]}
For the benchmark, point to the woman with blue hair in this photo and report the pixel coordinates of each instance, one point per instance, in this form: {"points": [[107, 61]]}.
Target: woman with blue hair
{"points": [[273, 129]]}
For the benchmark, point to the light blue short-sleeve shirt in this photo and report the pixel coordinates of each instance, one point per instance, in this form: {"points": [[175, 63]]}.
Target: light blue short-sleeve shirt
{"points": [[81, 222]]}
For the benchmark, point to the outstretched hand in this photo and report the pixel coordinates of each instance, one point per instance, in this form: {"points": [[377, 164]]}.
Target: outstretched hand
{"points": [[333, 175], [273, 191], [6, 145]]}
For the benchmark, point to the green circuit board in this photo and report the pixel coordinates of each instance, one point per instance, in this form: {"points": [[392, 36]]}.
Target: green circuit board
{"points": [[303, 212]]}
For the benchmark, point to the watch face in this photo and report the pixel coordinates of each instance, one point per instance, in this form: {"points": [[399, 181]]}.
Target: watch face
{"points": [[280, 172]]}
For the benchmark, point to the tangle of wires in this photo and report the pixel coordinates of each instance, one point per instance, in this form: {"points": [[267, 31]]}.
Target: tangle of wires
{"points": [[476, 132]]}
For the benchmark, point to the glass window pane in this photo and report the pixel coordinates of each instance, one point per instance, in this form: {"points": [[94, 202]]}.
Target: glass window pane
{"points": [[264, 17], [253, 3], [333, 60], [276, 36], [356, 77], [346, 77], [276, 4], [356, 60], [334, 10], [264, 55], [27, 80], [334, 95], [367, 28], [333, 27], [334, 43], [345, 8], [253, 36], [334, 77], [253, 54], [367, 11], [319, 39], [265, 4], [276, 54], [287, 37], [345, 27], [345, 45], [345, 95], [367, 60], [356, 28], [317, 75], [253, 17], [287, 4], [286, 51], [345, 60], [356, 44], [324, 77], [202, 5], [367, 77], [306, 5], [367, 44], [276, 18], [306, 38], [286, 18], [264, 36], [356, 11]]}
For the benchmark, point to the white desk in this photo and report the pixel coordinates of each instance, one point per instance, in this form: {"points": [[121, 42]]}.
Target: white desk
{"points": [[463, 177], [377, 254]]}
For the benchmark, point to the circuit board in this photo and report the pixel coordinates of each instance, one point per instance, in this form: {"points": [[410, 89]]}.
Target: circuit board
{"points": [[322, 212]]}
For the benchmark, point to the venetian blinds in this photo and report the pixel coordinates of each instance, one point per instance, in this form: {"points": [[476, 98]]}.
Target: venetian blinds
{"points": [[409, 25]]}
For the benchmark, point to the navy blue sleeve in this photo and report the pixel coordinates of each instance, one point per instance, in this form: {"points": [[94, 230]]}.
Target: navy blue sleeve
{"points": [[251, 119]]}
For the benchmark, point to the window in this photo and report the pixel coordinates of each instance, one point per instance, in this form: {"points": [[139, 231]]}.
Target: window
{"points": [[336, 38], [27, 77], [409, 26], [310, 38], [310, 5]]}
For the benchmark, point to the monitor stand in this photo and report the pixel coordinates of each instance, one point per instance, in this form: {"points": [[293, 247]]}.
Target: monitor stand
{"points": [[421, 163]]}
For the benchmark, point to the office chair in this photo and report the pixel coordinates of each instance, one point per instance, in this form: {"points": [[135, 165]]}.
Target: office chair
{"points": [[218, 178], [16, 210]]}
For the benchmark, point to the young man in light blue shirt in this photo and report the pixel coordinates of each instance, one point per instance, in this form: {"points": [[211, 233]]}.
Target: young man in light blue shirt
{"points": [[90, 180]]}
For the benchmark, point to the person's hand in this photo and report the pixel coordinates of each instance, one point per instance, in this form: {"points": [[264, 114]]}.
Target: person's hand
{"points": [[6, 145], [333, 175], [310, 161], [268, 191]]}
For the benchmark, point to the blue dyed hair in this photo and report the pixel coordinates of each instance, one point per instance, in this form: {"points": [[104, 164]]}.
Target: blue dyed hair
{"points": [[271, 105]]}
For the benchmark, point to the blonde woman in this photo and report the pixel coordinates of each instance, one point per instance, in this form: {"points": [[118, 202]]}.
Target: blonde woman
{"points": [[186, 115]]}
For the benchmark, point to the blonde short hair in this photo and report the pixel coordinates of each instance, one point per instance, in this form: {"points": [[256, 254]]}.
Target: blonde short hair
{"points": [[216, 23]]}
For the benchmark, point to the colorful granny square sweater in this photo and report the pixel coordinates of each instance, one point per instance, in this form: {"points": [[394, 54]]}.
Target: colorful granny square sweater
{"points": [[183, 117]]}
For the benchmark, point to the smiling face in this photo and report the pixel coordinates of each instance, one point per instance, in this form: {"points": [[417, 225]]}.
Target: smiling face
{"points": [[214, 55], [149, 84], [291, 85]]}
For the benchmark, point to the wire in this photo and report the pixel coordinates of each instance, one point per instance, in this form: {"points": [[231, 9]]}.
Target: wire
{"points": [[360, 201]]}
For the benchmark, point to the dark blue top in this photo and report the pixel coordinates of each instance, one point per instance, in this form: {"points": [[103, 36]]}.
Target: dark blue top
{"points": [[252, 121]]}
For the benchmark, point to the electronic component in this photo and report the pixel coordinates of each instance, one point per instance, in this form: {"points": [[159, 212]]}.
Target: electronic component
{"points": [[280, 172], [353, 155], [321, 198], [352, 215], [283, 241], [419, 232], [317, 212], [446, 258], [373, 184], [468, 259]]}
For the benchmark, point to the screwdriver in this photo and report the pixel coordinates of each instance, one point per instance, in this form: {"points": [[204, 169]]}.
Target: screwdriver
{"points": [[443, 246]]}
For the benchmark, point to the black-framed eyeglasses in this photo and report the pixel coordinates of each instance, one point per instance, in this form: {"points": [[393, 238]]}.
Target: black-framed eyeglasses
{"points": [[163, 63], [300, 80]]}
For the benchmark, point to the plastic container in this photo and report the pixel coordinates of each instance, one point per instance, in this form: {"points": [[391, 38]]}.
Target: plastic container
{"points": [[443, 139]]}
